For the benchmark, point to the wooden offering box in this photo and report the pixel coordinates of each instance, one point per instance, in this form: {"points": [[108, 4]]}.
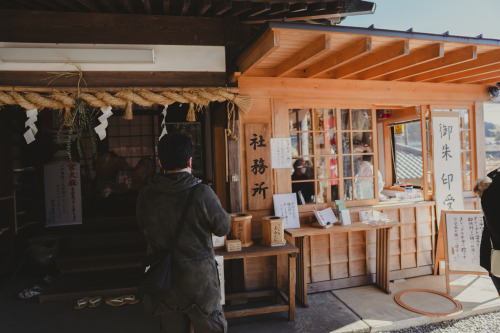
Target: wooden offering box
{"points": [[273, 232], [241, 228], [233, 245]]}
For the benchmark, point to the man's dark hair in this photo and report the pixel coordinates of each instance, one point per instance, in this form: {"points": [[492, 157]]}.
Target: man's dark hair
{"points": [[367, 158], [174, 151], [298, 162]]}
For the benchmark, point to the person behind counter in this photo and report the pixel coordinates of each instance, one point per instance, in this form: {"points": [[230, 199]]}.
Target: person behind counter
{"points": [[363, 187], [488, 189], [194, 298], [304, 190]]}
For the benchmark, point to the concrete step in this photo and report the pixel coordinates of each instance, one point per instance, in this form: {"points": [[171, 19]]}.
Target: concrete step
{"points": [[75, 285]]}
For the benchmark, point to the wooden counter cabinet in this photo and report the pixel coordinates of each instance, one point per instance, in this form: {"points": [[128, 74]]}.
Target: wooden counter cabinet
{"points": [[320, 267]]}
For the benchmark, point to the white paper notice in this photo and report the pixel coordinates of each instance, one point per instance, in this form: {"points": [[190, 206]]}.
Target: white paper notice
{"points": [[281, 153], [464, 233], [285, 205], [63, 199], [325, 216], [447, 161], [220, 270], [345, 216]]}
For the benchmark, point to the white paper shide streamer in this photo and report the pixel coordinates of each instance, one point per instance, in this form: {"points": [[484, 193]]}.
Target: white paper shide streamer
{"points": [[101, 128], [163, 127], [30, 133]]}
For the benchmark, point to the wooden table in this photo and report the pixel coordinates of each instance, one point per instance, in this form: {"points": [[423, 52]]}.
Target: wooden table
{"points": [[258, 250], [296, 237]]}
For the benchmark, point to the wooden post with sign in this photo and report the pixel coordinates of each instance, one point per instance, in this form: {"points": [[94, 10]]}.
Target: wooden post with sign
{"points": [[459, 240], [258, 166]]}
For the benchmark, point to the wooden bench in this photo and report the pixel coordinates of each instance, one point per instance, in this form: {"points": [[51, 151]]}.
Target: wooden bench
{"points": [[258, 250]]}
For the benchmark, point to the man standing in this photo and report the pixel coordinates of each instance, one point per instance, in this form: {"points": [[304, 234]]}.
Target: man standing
{"points": [[194, 298]]}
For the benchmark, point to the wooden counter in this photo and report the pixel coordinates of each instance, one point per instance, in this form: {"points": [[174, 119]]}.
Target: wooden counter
{"points": [[383, 240], [347, 257]]}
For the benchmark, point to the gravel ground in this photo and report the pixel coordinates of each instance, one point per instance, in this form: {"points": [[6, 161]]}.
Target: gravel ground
{"points": [[485, 323]]}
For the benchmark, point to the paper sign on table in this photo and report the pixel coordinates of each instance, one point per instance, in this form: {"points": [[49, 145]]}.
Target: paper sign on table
{"points": [[325, 217], [286, 205]]}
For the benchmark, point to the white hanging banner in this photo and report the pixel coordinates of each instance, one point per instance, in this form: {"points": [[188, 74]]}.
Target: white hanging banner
{"points": [[163, 127], [101, 128], [63, 197], [447, 165], [30, 133]]}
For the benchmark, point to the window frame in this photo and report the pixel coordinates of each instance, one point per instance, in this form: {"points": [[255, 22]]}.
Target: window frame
{"points": [[339, 154]]}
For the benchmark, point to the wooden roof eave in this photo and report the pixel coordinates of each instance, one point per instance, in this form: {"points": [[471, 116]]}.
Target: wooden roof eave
{"points": [[337, 52]]}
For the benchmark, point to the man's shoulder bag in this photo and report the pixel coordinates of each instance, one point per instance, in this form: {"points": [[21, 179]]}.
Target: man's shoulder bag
{"points": [[158, 266]]}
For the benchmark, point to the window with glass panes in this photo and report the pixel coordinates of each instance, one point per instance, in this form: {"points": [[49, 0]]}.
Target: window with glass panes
{"points": [[321, 137]]}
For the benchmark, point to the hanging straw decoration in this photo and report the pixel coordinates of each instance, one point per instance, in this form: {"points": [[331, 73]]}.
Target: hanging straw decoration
{"points": [[197, 98], [128, 111], [191, 116]]}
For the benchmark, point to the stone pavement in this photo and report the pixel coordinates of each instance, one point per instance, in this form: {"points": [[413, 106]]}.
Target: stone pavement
{"points": [[360, 309]]}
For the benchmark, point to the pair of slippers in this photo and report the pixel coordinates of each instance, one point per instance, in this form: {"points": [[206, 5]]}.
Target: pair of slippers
{"points": [[122, 300], [91, 302]]}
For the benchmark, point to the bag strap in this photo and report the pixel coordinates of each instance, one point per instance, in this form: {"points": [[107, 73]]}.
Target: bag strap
{"points": [[181, 223]]}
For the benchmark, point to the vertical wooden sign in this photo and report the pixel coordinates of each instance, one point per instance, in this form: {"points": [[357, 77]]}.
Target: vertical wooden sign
{"points": [[258, 166], [447, 165]]}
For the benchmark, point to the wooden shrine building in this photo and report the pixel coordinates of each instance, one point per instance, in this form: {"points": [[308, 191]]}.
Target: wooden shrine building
{"points": [[347, 98]]}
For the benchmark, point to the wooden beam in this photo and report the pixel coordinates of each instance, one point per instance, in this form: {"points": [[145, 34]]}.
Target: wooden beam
{"points": [[116, 79], [297, 90], [464, 54], [484, 59], [50, 5], [185, 6], [127, 5], [348, 53], [492, 76], [90, 5], [315, 49], [166, 7], [30, 4], [469, 73], [260, 8], [52, 27], [204, 6], [298, 7], [241, 7], [110, 6], [147, 6], [279, 8], [331, 11], [383, 55], [414, 58], [262, 48], [223, 7]]}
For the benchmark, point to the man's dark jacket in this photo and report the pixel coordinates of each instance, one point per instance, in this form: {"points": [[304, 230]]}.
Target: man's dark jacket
{"points": [[194, 272], [490, 202]]}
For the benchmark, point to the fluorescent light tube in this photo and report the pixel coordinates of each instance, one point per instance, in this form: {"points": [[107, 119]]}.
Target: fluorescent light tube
{"points": [[78, 56]]}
